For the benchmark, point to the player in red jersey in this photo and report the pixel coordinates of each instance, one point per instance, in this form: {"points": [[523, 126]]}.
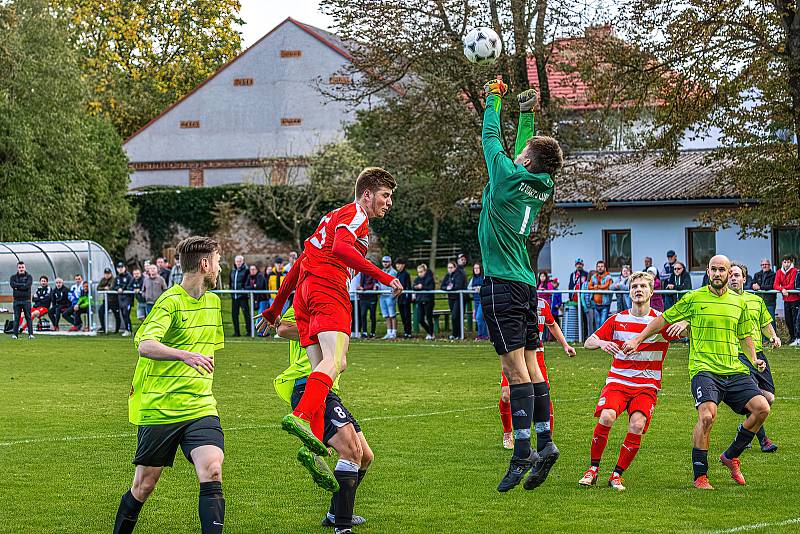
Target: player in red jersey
{"points": [[634, 379], [545, 319]]}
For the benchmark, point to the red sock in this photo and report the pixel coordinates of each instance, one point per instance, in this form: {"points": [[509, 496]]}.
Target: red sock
{"points": [[317, 388], [318, 422], [505, 416], [551, 415], [628, 451], [599, 440]]}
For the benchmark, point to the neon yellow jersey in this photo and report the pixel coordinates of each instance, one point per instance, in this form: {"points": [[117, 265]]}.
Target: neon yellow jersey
{"points": [[759, 316], [299, 366], [166, 391], [718, 323]]}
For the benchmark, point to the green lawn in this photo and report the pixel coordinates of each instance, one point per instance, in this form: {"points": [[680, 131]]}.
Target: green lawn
{"points": [[430, 414]]}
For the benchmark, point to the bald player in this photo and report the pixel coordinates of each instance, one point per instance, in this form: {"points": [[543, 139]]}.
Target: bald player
{"points": [[719, 323]]}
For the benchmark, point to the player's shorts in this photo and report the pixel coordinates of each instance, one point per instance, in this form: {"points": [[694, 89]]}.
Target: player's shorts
{"points": [[388, 306], [763, 380], [734, 390], [336, 414], [622, 398], [157, 444], [510, 310], [41, 309], [320, 308]]}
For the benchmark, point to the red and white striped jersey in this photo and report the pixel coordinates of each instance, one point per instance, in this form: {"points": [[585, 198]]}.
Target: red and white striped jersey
{"points": [[545, 315], [641, 368], [320, 261]]}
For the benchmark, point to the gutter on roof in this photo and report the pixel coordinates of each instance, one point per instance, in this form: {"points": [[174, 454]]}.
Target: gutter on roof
{"points": [[655, 203]]}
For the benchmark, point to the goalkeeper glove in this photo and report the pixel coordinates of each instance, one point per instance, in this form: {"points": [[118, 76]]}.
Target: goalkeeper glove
{"points": [[527, 100], [495, 87]]}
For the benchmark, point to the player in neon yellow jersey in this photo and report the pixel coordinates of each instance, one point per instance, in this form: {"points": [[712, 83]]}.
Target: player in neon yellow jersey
{"points": [[340, 431], [170, 399]]}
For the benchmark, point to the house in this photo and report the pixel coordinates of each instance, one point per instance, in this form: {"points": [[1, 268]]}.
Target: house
{"points": [[262, 109]]}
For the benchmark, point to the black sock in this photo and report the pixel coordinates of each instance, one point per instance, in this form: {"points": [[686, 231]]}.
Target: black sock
{"points": [[541, 414], [346, 474], [521, 418], [127, 514], [332, 507], [699, 462], [211, 508], [761, 435], [618, 470], [742, 440]]}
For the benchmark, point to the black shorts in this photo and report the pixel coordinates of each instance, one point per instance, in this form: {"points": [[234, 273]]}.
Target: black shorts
{"points": [[734, 390], [157, 444], [510, 310], [336, 415], [764, 380]]}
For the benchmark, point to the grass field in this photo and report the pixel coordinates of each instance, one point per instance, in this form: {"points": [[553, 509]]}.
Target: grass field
{"points": [[430, 413]]}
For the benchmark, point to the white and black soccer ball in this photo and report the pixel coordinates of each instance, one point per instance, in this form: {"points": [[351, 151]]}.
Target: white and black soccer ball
{"points": [[482, 46]]}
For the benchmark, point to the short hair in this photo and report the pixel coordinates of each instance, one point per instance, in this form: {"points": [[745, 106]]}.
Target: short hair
{"points": [[740, 265], [545, 155], [59, 279], [78, 276], [43, 276], [373, 178], [788, 257], [422, 266], [601, 261], [20, 263], [647, 277], [195, 248], [681, 264]]}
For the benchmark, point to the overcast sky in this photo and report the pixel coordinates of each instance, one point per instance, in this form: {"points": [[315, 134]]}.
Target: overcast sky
{"points": [[260, 16]]}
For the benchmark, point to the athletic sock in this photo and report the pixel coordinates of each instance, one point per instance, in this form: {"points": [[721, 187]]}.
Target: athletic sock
{"points": [[699, 462], [627, 452], [521, 418], [318, 422], [599, 441], [761, 435], [211, 508], [346, 473], [127, 514], [541, 414], [505, 416], [317, 388], [740, 442], [332, 509]]}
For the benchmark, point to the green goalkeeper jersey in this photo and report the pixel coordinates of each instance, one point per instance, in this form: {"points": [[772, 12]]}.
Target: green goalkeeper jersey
{"points": [[511, 200], [168, 391]]}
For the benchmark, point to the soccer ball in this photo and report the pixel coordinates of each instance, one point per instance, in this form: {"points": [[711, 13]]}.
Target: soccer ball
{"points": [[482, 46]]}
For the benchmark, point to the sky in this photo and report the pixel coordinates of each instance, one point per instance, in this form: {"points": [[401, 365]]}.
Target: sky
{"points": [[260, 16]]}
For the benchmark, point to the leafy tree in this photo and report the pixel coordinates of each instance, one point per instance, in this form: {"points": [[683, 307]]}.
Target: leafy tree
{"points": [[140, 56], [63, 173]]}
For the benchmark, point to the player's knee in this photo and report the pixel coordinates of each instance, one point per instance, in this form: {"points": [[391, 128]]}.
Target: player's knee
{"points": [[211, 471], [607, 417], [706, 420], [367, 456], [143, 487], [769, 396], [762, 408], [636, 425]]}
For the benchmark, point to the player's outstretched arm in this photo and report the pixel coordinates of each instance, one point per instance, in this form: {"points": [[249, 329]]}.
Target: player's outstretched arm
{"points": [[288, 330], [344, 249], [271, 314], [655, 326], [498, 163], [526, 126], [559, 335], [155, 350]]}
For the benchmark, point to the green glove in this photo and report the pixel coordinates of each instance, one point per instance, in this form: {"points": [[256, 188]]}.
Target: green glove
{"points": [[527, 100]]}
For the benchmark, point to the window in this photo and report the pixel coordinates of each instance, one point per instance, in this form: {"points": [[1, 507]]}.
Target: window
{"points": [[292, 121], [242, 82], [339, 80], [616, 249], [785, 241], [701, 245], [291, 53]]}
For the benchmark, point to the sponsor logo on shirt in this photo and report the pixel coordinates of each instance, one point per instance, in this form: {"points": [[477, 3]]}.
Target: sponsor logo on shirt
{"points": [[531, 192]]}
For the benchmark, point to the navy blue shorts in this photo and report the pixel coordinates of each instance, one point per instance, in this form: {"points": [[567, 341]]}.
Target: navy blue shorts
{"points": [[336, 414], [764, 380], [734, 390]]}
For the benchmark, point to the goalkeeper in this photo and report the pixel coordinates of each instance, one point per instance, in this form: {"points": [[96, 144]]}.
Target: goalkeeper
{"points": [[512, 198]]}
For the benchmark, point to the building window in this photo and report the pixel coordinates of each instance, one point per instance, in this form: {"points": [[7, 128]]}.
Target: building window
{"points": [[190, 124], [242, 82], [339, 80], [291, 53], [701, 245], [616, 249], [292, 121], [196, 178], [785, 241]]}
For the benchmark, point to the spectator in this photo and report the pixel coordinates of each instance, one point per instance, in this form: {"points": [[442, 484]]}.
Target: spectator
{"points": [[461, 265], [648, 262], [623, 286], [784, 282], [404, 300], [163, 269], [42, 301], [106, 283], [588, 305], [153, 286], [601, 281], [666, 272], [176, 273], [764, 280], [21, 284], [656, 301], [137, 283], [367, 303], [705, 281], [425, 282], [557, 305], [275, 276], [577, 278], [257, 282], [292, 260], [59, 303], [388, 301], [679, 280], [454, 281], [545, 285], [239, 301], [84, 301], [123, 282], [475, 284], [73, 315], [355, 312]]}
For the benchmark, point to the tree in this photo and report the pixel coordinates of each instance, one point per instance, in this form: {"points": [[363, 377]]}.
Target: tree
{"points": [[715, 68], [410, 54], [63, 173], [140, 56]]}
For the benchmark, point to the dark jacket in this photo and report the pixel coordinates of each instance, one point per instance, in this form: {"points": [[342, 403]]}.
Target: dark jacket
{"points": [[454, 282], [765, 281], [404, 279], [682, 282], [368, 283], [257, 282], [238, 280], [21, 284], [427, 285], [164, 273], [59, 297], [123, 281], [137, 284], [576, 278], [43, 297]]}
